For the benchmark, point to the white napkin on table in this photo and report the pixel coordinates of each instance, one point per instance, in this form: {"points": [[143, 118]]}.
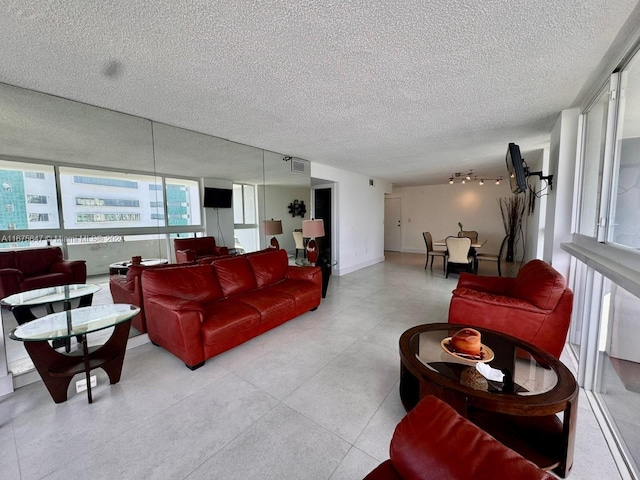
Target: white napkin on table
{"points": [[490, 373]]}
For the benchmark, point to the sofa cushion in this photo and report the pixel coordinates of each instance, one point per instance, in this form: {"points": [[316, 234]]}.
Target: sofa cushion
{"points": [[226, 318], [269, 267], [39, 260], [306, 294], [191, 282], [272, 304], [45, 280], [235, 275], [540, 284]]}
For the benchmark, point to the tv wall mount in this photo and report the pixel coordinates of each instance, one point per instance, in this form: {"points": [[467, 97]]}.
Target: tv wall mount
{"points": [[548, 178]]}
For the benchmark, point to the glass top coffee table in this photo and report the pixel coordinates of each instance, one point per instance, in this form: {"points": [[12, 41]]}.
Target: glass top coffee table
{"points": [[121, 268], [22, 303], [57, 369], [518, 407]]}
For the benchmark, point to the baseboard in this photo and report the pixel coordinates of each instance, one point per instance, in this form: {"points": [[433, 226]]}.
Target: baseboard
{"points": [[359, 266], [414, 250]]}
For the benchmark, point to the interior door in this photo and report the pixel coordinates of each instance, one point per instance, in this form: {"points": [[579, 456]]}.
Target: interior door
{"points": [[392, 224]]}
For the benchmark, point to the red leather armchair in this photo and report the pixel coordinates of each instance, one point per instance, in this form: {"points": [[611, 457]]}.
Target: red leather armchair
{"points": [[197, 250], [23, 270], [128, 289], [535, 306], [434, 442]]}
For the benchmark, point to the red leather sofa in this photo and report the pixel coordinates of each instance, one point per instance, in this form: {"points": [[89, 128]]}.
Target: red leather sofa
{"points": [[197, 250], [434, 442], [535, 306], [22, 270], [199, 311], [128, 289]]}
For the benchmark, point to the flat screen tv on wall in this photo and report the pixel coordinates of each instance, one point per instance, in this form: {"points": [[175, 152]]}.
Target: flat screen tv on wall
{"points": [[218, 197], [517, 169]]}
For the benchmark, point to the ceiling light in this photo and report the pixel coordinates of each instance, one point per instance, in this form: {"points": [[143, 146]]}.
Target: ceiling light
{"points": [[450, 180], [497, 181], [481, 182], [469, 175], [464, 181]]}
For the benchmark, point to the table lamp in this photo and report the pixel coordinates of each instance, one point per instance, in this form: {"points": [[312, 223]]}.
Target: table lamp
{"points": [[273, 227], [312, 229]]}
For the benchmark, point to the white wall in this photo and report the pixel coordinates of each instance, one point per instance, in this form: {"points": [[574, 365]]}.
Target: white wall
{"points": [[562, 164], [535, 223], [358, 212], [439, 208]]}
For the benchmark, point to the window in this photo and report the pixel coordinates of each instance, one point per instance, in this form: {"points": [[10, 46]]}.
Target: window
{"points": [[38, 217], [41, 199], [244, 217], [624, 226], [107, 217], [105, 181], [107, 202], [86, 194], [23, 196], [183, 202], [36, 175]]}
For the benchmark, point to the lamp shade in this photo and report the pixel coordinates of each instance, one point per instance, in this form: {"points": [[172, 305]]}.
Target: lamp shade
{"points": [[273, 227], [313, 228]]}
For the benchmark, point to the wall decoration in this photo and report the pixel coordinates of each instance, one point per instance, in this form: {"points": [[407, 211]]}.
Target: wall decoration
{"points": [[297, 208]]}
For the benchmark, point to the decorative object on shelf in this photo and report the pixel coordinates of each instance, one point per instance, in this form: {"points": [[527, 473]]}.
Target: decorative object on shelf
{"points": [[297, 208], [460, 225], [273, 227], [512, 209], [312, 229]]}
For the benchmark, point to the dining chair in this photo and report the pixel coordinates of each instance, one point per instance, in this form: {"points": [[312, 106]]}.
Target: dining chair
{"points": [[473, 235], [297, 237], [492, 257], [431, 253], [458, 255]]}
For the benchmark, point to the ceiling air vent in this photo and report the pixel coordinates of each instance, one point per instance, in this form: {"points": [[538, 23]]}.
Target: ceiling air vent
{"points": [[298, 166]]}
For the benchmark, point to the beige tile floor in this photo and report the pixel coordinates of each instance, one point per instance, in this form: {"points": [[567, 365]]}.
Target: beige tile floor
{"points": [[316, 398]]}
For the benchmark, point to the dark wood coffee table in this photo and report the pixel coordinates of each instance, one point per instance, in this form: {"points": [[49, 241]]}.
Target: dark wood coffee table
{"points": [[520, 412]]}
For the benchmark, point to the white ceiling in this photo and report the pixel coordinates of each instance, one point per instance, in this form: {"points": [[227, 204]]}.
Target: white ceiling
{"points": [[407, 91]]}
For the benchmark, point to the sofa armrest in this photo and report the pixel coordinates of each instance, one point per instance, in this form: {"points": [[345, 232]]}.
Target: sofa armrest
{"points": [[76, 268], [307, 274], [10, 279], [497, 300], [186, 256], [175, 304], [497, 285]]}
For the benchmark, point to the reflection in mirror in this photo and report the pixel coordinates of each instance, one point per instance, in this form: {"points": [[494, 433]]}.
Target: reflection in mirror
{"points": [[286, 180], [107, 187]]}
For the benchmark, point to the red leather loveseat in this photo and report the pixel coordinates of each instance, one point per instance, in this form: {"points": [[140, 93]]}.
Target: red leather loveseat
{"points": [[199, 311], [534, 307], [23, 270], [197, 250], [434, 442]]}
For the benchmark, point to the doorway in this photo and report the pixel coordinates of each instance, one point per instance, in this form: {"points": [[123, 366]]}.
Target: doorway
{"points": [[392, 224], [322, 210]]}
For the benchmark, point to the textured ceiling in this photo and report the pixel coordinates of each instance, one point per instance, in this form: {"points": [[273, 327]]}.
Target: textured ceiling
{"points": [[407, 91]]}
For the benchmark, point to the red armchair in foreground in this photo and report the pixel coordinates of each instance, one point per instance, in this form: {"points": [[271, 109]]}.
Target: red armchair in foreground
{"points": [[534, 307], [197, 250], [434, 442], [23, 270]]}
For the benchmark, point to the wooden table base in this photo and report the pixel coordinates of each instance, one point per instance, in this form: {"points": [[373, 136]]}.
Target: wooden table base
{"points": [[57, 369]]}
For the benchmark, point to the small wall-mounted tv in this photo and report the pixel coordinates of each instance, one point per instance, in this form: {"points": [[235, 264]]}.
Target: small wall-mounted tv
{"points": [[517, 169], [217, 197]]}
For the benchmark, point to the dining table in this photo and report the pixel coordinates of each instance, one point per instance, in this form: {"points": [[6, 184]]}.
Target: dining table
{"points": [[443, 243]]}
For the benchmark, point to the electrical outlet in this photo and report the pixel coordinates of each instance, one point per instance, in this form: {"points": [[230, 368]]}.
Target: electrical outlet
{"points": [[81, 385]]}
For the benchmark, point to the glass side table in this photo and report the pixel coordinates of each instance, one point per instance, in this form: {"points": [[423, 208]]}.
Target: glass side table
{"points": [[57, 369]]}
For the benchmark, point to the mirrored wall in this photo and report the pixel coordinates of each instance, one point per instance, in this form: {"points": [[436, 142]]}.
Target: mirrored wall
{"points": [[106, 186]]}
